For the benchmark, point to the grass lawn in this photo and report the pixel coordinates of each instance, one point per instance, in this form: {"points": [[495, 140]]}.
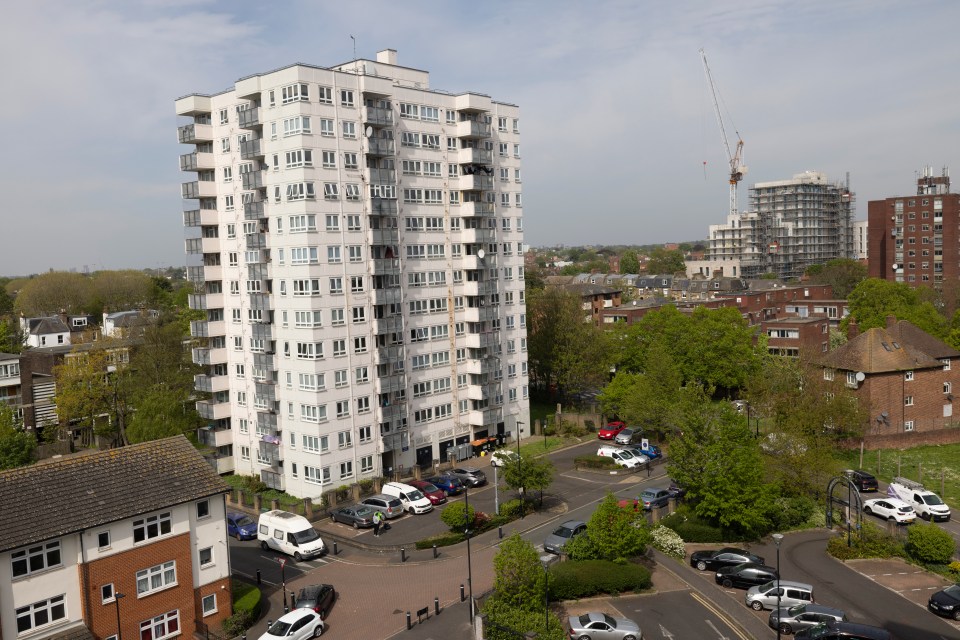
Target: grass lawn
{"points": [[934, 461]]}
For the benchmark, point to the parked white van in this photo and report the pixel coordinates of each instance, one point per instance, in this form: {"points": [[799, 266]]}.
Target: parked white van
{"points": [[621, 456], [412, 498], [290, 534]]}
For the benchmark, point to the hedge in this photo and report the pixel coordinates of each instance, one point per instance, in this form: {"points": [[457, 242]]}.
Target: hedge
{"points": [[595, 462], [575, 579], [929, 543]]}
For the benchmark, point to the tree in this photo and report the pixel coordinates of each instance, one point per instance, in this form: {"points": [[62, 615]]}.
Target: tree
{"points": [[49, 293], [873, 300], [530, 474], [663, 261], [613, 533], [16, 445], [119, 291], [721, 350], [90, 394], [629, 262], [843, 274], [11, 336]]}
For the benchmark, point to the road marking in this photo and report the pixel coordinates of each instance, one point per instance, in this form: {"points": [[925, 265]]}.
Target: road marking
{"points": [[709, 606], [720, 636], [666, 634]]}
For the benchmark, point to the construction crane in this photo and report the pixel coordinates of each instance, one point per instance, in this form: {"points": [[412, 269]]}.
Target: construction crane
{"points": [[737, 168]]}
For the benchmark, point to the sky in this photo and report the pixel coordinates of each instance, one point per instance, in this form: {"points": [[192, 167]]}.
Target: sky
{"points": [[620, 141]]}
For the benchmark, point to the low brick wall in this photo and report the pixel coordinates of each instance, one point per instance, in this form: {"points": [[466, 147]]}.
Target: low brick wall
{"points": [[905, 440]]}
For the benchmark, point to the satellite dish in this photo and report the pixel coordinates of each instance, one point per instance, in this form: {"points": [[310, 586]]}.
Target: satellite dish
{"points": [[369, 132], [896, 267], [860, 376], [481, 254]]}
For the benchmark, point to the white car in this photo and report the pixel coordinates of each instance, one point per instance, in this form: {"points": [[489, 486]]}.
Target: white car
{"points": [[890, 509], [299, 624], [502, 457]]}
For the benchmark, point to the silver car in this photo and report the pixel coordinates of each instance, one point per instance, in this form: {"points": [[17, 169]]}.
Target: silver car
{"points": [[600, 626], [803, 616], [570, 529], [626, 436]]}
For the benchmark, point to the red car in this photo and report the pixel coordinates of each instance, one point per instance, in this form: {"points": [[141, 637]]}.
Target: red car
{"points": [[610, 431], [434, 495]]}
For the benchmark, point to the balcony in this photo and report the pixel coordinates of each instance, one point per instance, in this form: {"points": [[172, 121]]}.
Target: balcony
{"points": [[387, 296], [221, 463], [476, 182], [383, 176], [210, 410], [474, 156], [378, 116], [381, 147], [392, 412], [383, 207], [265, 361], [480, 367], [482, 391], [386, 266], [384, 236], [473, 129], [481, 314], [258, 272], [473, 236], [215, 437], [256, 241], [261, 331], [250, 149], [196, 161], [267, 420], [200, 217], [392, 382], [390, 354], [254, 210], [253, 180], [267, 391], [206, 356], [193, 133], [249, 118], [258, 257], [472, 209], [392, 324], [488, 339], [211, 384], [260, 301], [198, 189]]}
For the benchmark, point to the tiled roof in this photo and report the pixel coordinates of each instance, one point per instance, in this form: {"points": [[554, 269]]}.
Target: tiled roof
{"points": [[878, 351], [911, 334], [67, 495], [45, 326]]}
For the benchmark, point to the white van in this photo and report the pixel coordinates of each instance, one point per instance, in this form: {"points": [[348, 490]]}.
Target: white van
{"points": [[412, 498], [290, 534], [621, 456]]}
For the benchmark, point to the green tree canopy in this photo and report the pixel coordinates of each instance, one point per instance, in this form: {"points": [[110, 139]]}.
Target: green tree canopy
{"points": [[49, 293], [531, 473], [613, 533], [843, 274], [873, 300], [664, 261], [629, 262], [16, 445]]}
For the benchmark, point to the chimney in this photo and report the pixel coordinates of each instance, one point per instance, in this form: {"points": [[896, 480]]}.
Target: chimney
{"points": [[891, 322], [63, 317], [387, 56], [852, 329]]}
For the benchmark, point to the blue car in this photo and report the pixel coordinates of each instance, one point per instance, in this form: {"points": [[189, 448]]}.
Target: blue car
{"points": [[241, 526], [450, 485], [651, 451]]}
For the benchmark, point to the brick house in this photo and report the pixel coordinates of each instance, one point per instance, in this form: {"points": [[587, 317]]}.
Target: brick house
{"points": [[795, 336], [135, 534], [908, 376]]}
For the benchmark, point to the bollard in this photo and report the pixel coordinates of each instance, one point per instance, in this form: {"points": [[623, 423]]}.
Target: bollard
{"points": [[293, 600], [286, 609], [259, 579], [500, 533], [335, 549], [462, 595], [436, 607], [409, 622], [403, 554], [269, 623], [435, 552], [243, 637]]}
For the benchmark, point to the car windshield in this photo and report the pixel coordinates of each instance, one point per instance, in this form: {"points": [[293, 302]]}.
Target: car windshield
{"points": [[953, 590], [610, 621], [797, 609], [563, 532], [244, 521], [905, 509], [307, 535], [279, 628], [416, 495], [933, 499], [363, 512], [626, 454], [817, 631], [430, 488]]}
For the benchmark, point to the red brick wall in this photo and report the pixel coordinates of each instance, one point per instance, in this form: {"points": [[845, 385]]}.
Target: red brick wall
{"points": [[886, 392], [121, 569], [905, 440], [224, 593]]}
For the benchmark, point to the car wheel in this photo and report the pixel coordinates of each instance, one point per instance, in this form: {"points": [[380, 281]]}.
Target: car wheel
{"points": [[868, 510], [756, 605], [629, 637], [727, 583], [701, 566], [264, 545], [297, 556], [785, 629], [892, 519], [356, 525], [925, 516], [584, 637], [956, 614], [318, 631]]}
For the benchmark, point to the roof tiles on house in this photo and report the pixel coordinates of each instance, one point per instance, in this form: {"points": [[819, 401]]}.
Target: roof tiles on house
{"points": [[878, 351]]}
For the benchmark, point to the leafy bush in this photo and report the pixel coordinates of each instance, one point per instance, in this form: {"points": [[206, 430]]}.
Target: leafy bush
{"points": [[238, 623], [366, 486], [250, 484], [595, 462], [441, 540], [692, 529], [590, 426], [791, 512], [581, 579], [954, 567], [343, 492], [872, 542], [669, 542], [929, 543], [572, 429], [457, 517], [511, 508]]}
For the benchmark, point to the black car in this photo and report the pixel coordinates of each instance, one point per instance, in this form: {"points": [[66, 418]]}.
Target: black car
{"points": [[469, 476], [319, 597], [946, 602], [726, 557], [862, 480], [746, 575], [844, 631]]}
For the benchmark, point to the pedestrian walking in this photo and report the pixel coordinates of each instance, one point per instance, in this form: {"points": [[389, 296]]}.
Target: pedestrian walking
{"points": [[377, 521]]}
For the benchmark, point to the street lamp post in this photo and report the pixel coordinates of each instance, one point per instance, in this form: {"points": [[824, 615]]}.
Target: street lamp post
{"points": [[116, 601], [546, 599], [778, 538], [523, 505], [467, 531]]}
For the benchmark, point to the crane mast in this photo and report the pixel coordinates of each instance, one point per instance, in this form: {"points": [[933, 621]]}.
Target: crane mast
{"points": [[735, 156]]}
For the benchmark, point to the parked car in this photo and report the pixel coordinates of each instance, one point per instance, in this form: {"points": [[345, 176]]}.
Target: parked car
{"points": [[434, 493], [719, 558], [450, 485], [890, 509], [654, 497], [299, 624], [637, 453], [411, 498], [241, 526], [844, 631], [357, 516], [626, 436], [778, 593], [676, 489], [610, 431], [569, 530], [803, 616], [862, 480], [652, 451], [502, 457], [469, 476], [319, 597], [746, 575], [600, 626], [622, 457], [389, 506], [946, 602]]}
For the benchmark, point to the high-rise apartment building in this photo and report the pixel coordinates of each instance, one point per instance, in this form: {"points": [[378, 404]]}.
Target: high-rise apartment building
{"points": [[355, 239], [914, 238], [789, 226]]}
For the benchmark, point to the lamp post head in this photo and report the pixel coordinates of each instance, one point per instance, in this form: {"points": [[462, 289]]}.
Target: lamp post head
{"points": [[778, 538], [119, 595]]}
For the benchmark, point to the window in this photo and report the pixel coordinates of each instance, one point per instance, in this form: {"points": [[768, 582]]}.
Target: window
{"points": [[353, 221], [908, 401], [209, 604], [152, 527], [296, 126], [312, 413], [946, 363], [206, 556], [360, 344], [359, 315], [299, 158], [329, 159], [908, 376], [309, 350], [363, 404], [340, 378], [355, 253], [336, 317], [40, 614], [339, 347], [346, 469], [908, 425], [326, 95], [333, 255], [326, 127], [303, 223], [304, 255], [362, 374], [162, 626], [203, 509], [35, 559], [430, 114], [106, 593], [343, 410], [156, 578], [103, 540], [336, 286], [331, 191], [346, 97], [294, 93], [301, 191], [349, 130], [947, 387], [366, 463]]}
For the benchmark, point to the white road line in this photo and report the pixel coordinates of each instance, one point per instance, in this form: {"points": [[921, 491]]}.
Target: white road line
{"points": [[720, 636]]}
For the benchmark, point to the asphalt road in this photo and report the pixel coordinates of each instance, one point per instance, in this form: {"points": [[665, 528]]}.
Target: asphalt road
{"points": [[676, 615]]}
